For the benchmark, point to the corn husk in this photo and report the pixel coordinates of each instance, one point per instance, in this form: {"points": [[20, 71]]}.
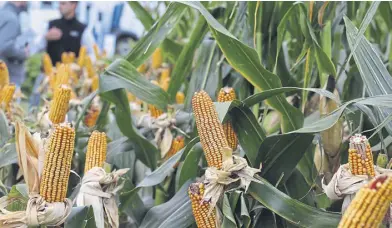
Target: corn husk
{"points": [[38, 211], [162, 128], [216, 179], [98, 190], [344, 185]]}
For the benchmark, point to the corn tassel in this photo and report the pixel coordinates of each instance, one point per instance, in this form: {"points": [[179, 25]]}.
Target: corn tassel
{"points": [[180, 98], [157, 58], [6, 95], [82, 56], [92, 116], [89, 66], [47, 64], [96, 150], [369, 205], [4, 75], [210, 130], [59, 105], [200, 208], [177, 144], [360, 157], [142, 68], [228, 94], [96, 51], [57, 164]]}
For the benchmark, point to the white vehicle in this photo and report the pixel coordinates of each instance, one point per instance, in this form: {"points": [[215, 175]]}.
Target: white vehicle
{"points": [[113, 23]]}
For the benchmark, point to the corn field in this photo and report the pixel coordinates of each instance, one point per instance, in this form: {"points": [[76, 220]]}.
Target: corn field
{"points": [[224, 114]]}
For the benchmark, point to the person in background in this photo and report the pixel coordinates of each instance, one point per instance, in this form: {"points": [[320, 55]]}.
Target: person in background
{"points": [[12, 52], [67, 34]]}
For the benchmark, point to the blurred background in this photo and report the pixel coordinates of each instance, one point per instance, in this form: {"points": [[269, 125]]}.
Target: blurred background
{"points": [[111, 25]]}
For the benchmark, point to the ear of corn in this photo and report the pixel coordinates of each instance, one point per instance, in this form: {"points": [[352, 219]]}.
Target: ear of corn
{"points": [[4, 75], [82, 56], [228, 94], [382, 160], [96, 51], [157, 58], [154, 111], [47, 64], [59, 104], [89, 66], [360, 157], [165, 75], [61, 77], [180, 98], [142, 68], [95, 83], [210, 130], [200, 208], [131, 97], [177, 145], [64, 57], [6, 95], [96, 150], [370, 204], [71, 57], [92, 116], [57, 164], [332, 137]]}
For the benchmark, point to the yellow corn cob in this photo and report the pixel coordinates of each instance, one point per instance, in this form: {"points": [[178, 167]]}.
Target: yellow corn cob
{"points": [[200, 208], [228, 94], [6, 94], [4, 75], [210, 130], [360, 157], [370, 204], [95, 83], [71, 57], [142, 68], [177, 145], [157, 58], [47, 64], [165, 84], [96, 150], [61, 77], [82, 56], [96, 51], [131, 97], [57, 164], [64, 57], [58, 65], [154, 111], [92, 116], [165, 75], [59, 104], [89, 66], [180, 98], [72, 74]]}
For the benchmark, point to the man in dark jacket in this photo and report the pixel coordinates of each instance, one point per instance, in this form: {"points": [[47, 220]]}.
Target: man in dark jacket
{"points": [[12, 52], [67, 34]]}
